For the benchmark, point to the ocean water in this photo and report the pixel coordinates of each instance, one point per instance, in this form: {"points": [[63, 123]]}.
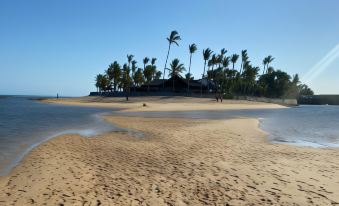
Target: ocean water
{"points": [[304, 125], [25, 123]]}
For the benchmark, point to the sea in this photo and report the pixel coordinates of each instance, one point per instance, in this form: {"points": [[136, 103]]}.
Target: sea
{"points": [[26, 123]]}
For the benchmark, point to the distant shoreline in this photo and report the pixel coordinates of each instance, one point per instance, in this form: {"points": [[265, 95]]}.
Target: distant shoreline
{"points": [[177, 103]]}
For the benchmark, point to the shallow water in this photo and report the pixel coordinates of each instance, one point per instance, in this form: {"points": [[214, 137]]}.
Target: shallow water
{"points": [[25, 123], [314, 126]]}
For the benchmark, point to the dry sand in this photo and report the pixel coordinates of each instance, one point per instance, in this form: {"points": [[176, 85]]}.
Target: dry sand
{"points": [[177, 162], [135, 104]]}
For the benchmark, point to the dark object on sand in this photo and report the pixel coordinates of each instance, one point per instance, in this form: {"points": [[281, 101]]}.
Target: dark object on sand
{"points": [[218, 96], [144, 105]]}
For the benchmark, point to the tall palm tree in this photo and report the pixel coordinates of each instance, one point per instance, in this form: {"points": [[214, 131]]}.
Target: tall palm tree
{"points": [[129, 59], [269, 60], [148, 73], [109, 74], [145, 61], [153, 60], [138, 77], [100, 82], [192, 49], [173, 38], [225, 64], [134, 69], [264, 62], [234, 59], [206, 54], [126, 80], [214, 61], [244, 59], [221, 56], [116, 74], [176, 70], [154, 68]]}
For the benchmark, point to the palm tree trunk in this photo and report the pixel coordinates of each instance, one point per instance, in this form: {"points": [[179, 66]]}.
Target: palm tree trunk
{"points": [[241, 67], [163, 78], [115, 86], [189, 72], [263, 72], [203, 74], [173, 84]]}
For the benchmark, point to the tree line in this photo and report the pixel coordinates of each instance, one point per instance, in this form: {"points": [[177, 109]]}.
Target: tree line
{"points": [[218, 69]]}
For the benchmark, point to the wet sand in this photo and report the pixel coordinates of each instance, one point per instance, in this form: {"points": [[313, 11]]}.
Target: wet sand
{"points": [[177, 162]]}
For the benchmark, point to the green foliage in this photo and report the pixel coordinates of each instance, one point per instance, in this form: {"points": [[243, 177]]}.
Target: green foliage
{"points": [[234, 59], [102, 82], [148, 74], [192, 48], [158, 75], [126, 79], [244, 80], [138, 77], [176, 68], [174, 38], [189, 76], [305, 90]]}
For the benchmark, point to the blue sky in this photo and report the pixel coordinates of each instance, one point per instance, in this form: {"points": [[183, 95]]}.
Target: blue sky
{"points": [[49, 47]]}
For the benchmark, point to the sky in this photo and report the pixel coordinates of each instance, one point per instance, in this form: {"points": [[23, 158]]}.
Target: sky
{"points": [[59, 46]]}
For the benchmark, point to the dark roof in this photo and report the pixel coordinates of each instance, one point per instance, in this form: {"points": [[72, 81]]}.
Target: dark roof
{"points": [[159, 82], [156, 82], [195, 83]]}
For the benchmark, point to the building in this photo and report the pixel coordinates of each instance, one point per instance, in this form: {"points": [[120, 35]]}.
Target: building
{"points": [[177, 85]]}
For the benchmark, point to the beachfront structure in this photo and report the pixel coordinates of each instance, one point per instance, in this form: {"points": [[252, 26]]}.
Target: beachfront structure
{"points": [[175, 86]]}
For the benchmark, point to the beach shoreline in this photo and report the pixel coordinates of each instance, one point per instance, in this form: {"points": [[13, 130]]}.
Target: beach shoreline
{"points": [[178, 162], [161, 104]]}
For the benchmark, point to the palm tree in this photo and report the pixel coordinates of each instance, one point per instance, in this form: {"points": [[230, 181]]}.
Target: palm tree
{"points": [[225, 63], [244, 58], [192, 48], [221, 56], [126, 80], [269, 60], [158, 75], [234, 59], [138, 77], [109, 74], [223, 52], [264, 62], [154, 68], [214, 61], [173, 38], [148, 72], [116, 74], [206, 54], [175, 70], [129, 59], [102, 82], [153, 61], [145, 61], [134, 69]]}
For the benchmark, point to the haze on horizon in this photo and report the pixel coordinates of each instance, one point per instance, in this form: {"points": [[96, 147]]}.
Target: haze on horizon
{"points": [[50, 47]]}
